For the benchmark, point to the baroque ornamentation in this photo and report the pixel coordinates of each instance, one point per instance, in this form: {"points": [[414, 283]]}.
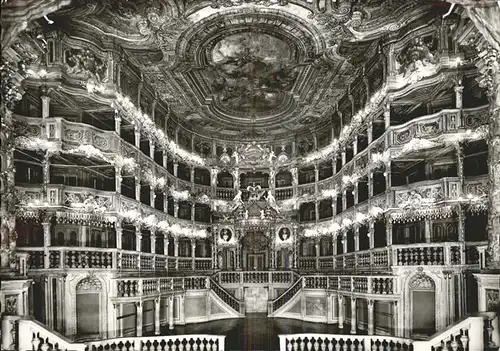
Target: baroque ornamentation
{"points": [[84, 63], [422, 281], [89, 284]]}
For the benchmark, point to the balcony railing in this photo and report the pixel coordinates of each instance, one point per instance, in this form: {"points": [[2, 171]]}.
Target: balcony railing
{"points": [[135, 287], [36, 337], [312, 342], [256, 277], [382, 259], [111, 202], [429, 126], [85, 258], [373, 284]]}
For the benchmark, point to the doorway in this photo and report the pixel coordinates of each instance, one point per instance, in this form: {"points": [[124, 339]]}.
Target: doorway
{"points": [[423, 306], [256, 261], [255, 250]]}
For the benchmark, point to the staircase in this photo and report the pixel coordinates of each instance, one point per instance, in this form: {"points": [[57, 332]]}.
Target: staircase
{"points": [[284, 298], [237, 305]]}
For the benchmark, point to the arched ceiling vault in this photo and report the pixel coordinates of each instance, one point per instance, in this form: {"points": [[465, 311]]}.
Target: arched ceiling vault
{"points": [[239, 69]]}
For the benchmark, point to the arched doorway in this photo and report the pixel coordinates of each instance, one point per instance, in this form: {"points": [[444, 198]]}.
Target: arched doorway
{"points": [[255, 250], [422, 291], [88, 308]]}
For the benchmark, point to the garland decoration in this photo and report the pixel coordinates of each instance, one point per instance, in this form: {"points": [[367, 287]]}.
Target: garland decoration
{"points": [[127, 108]]}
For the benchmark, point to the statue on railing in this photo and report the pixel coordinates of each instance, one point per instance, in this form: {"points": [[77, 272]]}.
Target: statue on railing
{"points": [[237, 201], [271, 201]]}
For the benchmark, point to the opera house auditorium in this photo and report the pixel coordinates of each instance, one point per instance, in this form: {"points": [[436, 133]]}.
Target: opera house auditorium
{"points": [[250, 175]]}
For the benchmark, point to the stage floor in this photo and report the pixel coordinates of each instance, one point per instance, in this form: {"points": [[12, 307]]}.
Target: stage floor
{"points": [[256, 332]]}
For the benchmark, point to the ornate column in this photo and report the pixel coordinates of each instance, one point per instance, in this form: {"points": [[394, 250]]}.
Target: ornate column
{"points": [[353, 315], [151, 148], [489, 67], [46, 244], [387, 115], [370, 184], [237, 256], [371, 327], [83, 235], [369, 131], [388, 230], [165, 202], [170, 312], [295, 180], [165, 158], [118, 179], [193, 211], [356, 238], [236, 176], [118, 234], [118, 122], [45, 105], [137, 136], [295, 246], [193, 253], [355, 193], [138, 237], [46, 175], [176, 253], [371, 234], [459, 96], [152, 196], [355, 145], [427, 231], [213, 181], [137, 184], [176, 208], [152, 241], [157, 316], [343, 156], [344, 241], [341, 312], [316, 251], [395, 318], [176, 167], [138, 320], [272, 180]]}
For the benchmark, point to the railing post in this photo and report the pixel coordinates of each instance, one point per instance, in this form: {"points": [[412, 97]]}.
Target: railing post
{"points": [[283, 342], [447, 254], [476, 334]]}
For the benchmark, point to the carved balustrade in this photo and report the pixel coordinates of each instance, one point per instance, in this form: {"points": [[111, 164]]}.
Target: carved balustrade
{"points": [[284, 193], [192, 342], [470, 333], [135, 287], [313, 342], [233, 302], [447, 121], [225, 193], [372, 284], [307, 263], [104, 203], [270, 278], [277, 303], [33, 335], [85, 258], [428, 254]]}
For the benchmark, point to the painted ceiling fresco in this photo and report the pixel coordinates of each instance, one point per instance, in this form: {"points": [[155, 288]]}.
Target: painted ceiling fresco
{"points": [[251, 72], [246, 70]]}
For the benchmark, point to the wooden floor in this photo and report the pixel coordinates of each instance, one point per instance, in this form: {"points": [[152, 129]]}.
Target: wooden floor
{"points": [[256, 332]]}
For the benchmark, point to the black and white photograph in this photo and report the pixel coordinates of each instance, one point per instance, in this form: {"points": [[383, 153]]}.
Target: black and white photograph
{"points": [[250, 175]]}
